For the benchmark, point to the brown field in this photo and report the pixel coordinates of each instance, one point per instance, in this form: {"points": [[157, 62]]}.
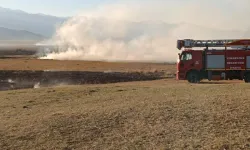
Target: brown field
{"points": [[36, 64], [160, 114]]}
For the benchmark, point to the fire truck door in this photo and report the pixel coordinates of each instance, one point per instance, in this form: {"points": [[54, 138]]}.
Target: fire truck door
{"points": [[186, 62]]}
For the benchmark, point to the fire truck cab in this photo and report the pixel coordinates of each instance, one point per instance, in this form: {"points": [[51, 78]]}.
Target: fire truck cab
{"points": [[216, 60]]}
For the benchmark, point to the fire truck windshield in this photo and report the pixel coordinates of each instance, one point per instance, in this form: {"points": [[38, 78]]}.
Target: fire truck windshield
{"points": [[186, 56]]}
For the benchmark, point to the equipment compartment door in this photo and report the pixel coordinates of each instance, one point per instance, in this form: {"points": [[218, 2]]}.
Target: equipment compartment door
{"points": [[215, 62]]}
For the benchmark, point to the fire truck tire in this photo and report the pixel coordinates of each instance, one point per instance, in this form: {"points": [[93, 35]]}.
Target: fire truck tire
{"points": [[247, 78], [193, 77]]}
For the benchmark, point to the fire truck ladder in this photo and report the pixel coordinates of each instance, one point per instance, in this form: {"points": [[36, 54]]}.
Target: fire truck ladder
{"points": [[189, 43]]}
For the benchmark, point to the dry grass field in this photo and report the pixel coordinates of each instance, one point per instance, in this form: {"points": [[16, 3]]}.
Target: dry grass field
{"points": [[36, 64], [163, 114]]}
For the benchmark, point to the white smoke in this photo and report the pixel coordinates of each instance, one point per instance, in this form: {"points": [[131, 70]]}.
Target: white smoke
{"points": [[11, 81], [146, 30], [37, 85]]}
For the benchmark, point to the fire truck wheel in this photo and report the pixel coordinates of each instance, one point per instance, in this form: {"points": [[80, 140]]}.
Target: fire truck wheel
{"points": [[193, 77], [247, 78]]}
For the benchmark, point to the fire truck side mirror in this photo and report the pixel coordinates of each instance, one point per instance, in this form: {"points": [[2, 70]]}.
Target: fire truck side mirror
{"points": [[179, 54]]}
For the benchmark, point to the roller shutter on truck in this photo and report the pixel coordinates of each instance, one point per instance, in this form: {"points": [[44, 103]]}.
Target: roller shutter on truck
{"points": [[215, 60], [248, 62], [247, 56]]}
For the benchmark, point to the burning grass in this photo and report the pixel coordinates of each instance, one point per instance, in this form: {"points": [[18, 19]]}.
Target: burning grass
{"points": [[162, 114]]}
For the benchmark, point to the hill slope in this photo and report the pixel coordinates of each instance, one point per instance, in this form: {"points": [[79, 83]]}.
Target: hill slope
{"points": [[36, 23], [10, 34]]}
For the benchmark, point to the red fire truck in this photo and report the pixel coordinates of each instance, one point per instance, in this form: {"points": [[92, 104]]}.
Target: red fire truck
{"points": [[213, 60]]}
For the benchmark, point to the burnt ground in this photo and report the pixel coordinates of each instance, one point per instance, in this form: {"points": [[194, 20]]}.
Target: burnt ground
{"points": [[27, 72], [31, 79]]}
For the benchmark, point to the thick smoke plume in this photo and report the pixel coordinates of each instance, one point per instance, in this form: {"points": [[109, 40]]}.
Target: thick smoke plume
{"points": [[146, 30]]}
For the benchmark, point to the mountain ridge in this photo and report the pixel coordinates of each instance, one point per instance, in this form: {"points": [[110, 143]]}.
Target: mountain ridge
{"points": [[42, 24], [13, 34]]}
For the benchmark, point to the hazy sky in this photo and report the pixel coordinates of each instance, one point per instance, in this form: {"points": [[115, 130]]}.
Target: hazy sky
{"points": [[230, 14], [72, 7], [53, 7]]}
